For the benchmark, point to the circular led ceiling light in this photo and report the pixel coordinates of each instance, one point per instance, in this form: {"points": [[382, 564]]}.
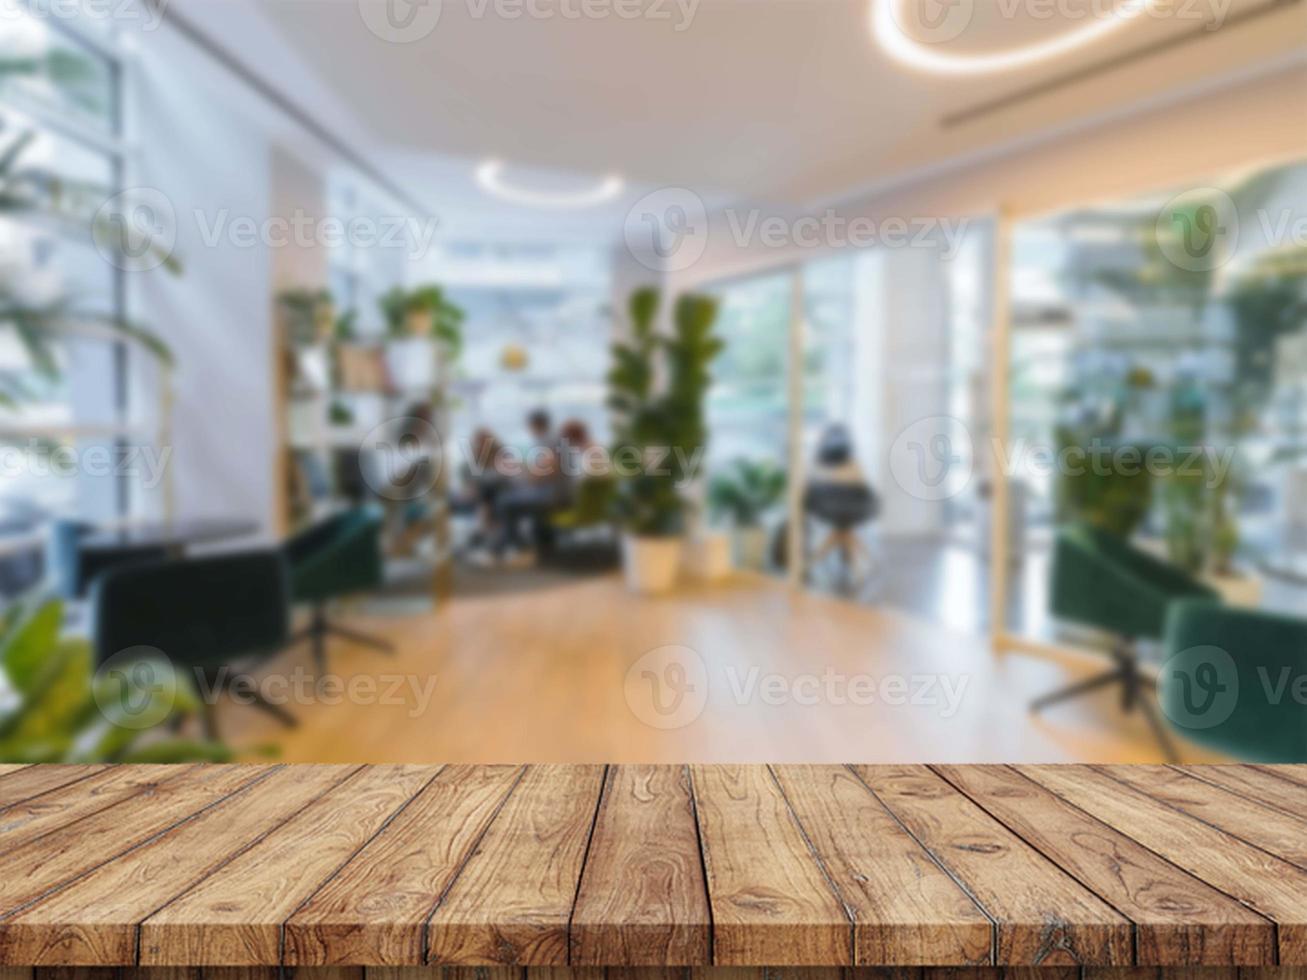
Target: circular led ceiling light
{"points": [[490, 177], [886, 27]]}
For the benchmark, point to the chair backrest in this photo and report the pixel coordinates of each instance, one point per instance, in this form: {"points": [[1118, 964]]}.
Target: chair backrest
{"points": [[1234, 680], [844, 505], [202, 612], [1101, 580]]}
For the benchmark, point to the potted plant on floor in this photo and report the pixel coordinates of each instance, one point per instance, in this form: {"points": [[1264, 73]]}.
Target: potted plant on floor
{"points": [[657, 386], [55, 707], [743, 495]]}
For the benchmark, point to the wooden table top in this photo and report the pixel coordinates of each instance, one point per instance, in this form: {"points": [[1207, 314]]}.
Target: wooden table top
{"points": [[653, 865]]}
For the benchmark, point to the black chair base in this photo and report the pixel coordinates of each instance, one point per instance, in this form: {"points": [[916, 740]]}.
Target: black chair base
{"points": [[1134, 694], [321, 627], [250, 690]]}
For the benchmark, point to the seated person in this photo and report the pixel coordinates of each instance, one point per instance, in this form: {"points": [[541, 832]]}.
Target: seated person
{"points": [[541, 489], [839, 496], [487, 474]]}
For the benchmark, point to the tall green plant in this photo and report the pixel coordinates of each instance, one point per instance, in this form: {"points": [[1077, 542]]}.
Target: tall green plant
{"points": [[657, 388]]}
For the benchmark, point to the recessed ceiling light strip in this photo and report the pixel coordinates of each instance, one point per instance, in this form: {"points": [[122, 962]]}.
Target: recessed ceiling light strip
{"points": [[490, 177], [887, 16]]}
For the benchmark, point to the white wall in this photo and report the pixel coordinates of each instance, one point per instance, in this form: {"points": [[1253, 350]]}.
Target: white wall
{"points": [[211, 158]]}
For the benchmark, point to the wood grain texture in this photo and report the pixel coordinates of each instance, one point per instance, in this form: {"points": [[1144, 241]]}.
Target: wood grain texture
{"points": [[1275, 888], [1043, 916], [95, 919], [235, 915], [655, 873], [374, 911], [24, 822], [906, 909], [1294, 774], [28, 873], [1267, 788], [1179, 920], [512, 902], [26, 782], [1283, 834], [643, 900], [772, 903]]}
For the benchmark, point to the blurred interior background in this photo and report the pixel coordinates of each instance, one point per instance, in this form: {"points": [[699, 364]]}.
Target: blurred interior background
{"points": [[323, 326]]}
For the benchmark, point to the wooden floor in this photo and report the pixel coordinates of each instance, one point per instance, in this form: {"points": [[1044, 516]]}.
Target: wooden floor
{"points": [[654, 866], [557, 675]]}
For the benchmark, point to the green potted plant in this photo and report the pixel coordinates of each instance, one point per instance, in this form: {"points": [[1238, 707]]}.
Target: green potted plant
{"points": [[56, 708], [309, 316], [743, 496], [657, 386], [423, 312]]}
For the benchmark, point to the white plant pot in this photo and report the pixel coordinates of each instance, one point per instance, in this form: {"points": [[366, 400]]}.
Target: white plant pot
{"points": [[1237, 590], [651, 564], [708, 557], [751, 548]]}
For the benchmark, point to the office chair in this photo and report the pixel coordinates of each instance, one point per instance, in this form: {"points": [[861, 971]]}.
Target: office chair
{"points": [[70, 569], [208, 616], [843, 508], [334, 558], [1100, 580], [1228, 680]]}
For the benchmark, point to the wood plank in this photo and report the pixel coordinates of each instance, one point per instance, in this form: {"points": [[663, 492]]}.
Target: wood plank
{"points": [[1247, 818], [907, 911], [374, 911], [1043, 916], [1266, 788], [427, 973], [1275, 888], [643, 900], [11, 767], [94, 921], [25, 822], [70, 852], [1179, 920], [785, 973], [235, 915], [31, 781], [1294, 774], [512, 902], [772, 903]]}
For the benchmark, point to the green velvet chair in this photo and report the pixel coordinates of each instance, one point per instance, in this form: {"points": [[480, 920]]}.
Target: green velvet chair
{"points": [[1102, 581], [335, 558], [1229, 681]]}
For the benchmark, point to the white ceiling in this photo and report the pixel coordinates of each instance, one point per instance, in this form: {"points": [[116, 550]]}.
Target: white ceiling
{"points": [[788, 101]]}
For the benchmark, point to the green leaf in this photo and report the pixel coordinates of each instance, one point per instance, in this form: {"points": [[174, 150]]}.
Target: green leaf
{"points": [[28, 643]]}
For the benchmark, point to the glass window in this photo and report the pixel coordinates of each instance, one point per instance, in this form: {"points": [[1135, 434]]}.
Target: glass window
{"points": [[48, 68], [1138, 325]]}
